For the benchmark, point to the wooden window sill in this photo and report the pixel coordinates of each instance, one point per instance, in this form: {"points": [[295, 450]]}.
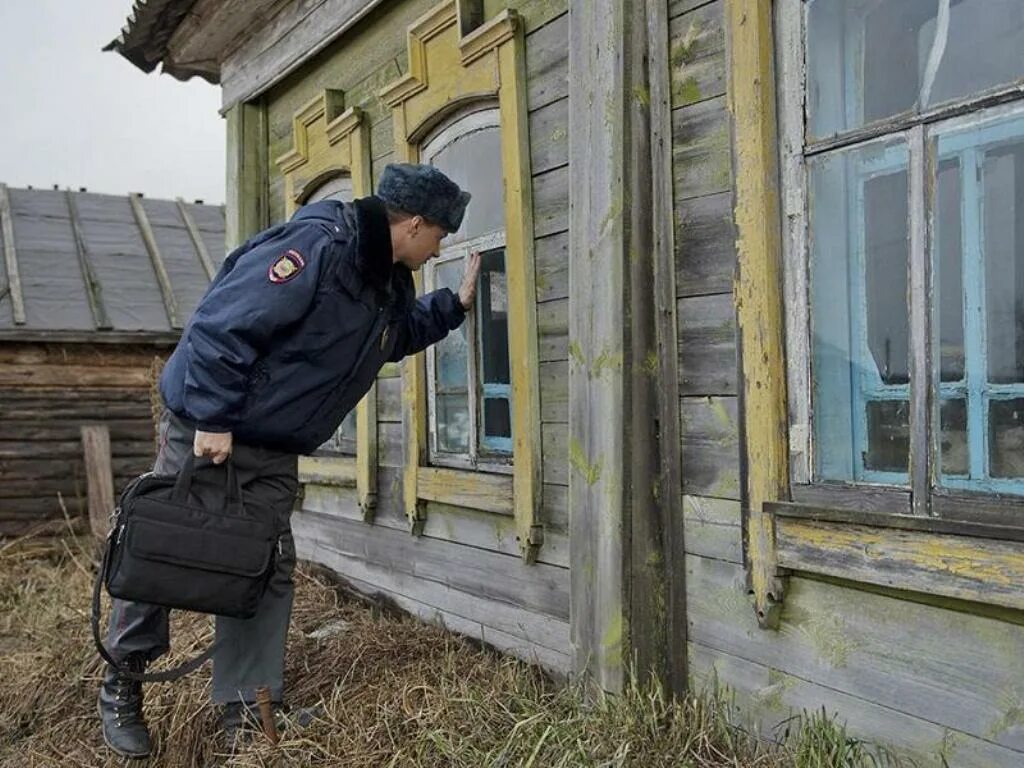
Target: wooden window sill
{"points": [[978, 562], [463, 488]]}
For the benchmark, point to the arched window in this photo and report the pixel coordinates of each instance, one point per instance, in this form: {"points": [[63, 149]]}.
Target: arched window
{"points": [[468, 375], [338, 187]]}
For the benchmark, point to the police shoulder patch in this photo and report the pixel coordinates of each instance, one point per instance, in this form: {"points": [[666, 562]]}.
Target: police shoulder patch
{"points": [[286, 267]]}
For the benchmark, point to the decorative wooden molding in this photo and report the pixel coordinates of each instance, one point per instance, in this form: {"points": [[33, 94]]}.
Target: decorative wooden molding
{"points": [[162, 278], [197, 240], [93, 288], [442, 77], [327, 141], [473, 490], [489, 37], [759, 290], [11, 257]]}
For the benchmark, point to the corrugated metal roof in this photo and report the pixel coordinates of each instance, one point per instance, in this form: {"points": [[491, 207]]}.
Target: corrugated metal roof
{"points": [[144, 37], [85, 268]]}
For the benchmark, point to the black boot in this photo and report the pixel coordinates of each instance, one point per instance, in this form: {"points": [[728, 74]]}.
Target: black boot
{"points": [[120, 705]]}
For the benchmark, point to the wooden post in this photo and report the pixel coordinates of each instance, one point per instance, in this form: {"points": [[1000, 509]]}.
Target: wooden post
{"points": [[621, 485], [246, 209], [99, 476], [11, 256], [759, 291]]}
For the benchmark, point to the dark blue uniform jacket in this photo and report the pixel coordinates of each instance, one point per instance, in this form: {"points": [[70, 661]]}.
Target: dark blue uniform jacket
{"points": [[296, 326]]}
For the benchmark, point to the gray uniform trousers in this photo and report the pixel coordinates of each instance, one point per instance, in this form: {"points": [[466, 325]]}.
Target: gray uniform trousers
{"points": [[251, 653]]}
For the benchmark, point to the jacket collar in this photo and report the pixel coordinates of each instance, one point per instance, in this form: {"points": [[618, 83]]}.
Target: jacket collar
{"points": [[373, 254]]}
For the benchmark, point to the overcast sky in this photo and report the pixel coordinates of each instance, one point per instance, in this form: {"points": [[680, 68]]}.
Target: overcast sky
{"points": [[77, 117]]}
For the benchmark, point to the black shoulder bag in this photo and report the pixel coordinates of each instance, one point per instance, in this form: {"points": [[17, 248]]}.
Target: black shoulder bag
{"points": [[170, 548]]}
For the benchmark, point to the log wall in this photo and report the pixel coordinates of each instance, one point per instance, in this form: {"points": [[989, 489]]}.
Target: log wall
{"points": [[47, 392]]}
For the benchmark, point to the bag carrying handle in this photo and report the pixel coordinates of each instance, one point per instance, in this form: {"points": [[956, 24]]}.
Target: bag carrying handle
{"points": [[233, 489]]}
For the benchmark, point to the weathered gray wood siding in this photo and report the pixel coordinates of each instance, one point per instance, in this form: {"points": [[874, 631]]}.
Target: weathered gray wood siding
{"points": [[465, 570], [934, 680]]}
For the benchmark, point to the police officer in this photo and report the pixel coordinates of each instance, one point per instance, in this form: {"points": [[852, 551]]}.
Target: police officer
{"points": [[289, 337]]}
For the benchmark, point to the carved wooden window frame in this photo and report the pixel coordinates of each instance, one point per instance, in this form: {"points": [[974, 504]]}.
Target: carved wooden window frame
{"points": [[447, 71], [977, 561], [329, 141]]}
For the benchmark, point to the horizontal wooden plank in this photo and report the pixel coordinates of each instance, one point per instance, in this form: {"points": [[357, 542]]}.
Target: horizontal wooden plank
{"points": [[707, 345], [61, 430], [701, 149], [676, 7], [547, 63], [551, 202], [712, 528], [555, 511], [554, 392], [551, 262], [954, 669], [549, 137], [697, 54], [710, 446], [43, 451], [976, 529], [538, 588], [553, 329], [473, 490], [491, 531], [22, 375], [705, 245], [370, 579], [328, 470], [966, 568], [102, 355], [555, 445], [773, 697]]}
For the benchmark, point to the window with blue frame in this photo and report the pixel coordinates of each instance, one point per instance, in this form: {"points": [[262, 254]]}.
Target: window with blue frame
{"points": [[912, 166], [468, 374]]}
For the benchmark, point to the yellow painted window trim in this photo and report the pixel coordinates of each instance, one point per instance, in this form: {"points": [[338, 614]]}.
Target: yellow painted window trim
{"points": [[758, 290], [489, 62], [329, 140]]}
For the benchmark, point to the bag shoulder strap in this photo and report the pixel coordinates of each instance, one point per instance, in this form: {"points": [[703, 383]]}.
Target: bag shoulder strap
{"points": [[175, 673]]}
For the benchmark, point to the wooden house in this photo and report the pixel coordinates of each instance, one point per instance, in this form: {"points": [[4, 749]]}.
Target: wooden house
{"points": [[743, 393], [93, 288]]}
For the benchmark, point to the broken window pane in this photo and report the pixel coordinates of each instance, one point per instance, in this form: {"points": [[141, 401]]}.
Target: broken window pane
{"points": [[858, 218], [888, 448], [869, 60], [953, 418]]}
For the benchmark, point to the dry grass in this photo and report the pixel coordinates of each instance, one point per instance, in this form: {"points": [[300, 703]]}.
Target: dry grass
{"points": [[393, 692]]}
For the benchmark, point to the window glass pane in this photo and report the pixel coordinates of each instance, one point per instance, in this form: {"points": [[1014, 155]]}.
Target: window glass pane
{"points": [[885, 255], [452, 424], [949, 277], [872, 59], [497, 419], [955, 458], [982, 48], [1003, 203], [493, 319], [1006, 438], [858, 266], [888, 447], [473, 161], [337, 188]]}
